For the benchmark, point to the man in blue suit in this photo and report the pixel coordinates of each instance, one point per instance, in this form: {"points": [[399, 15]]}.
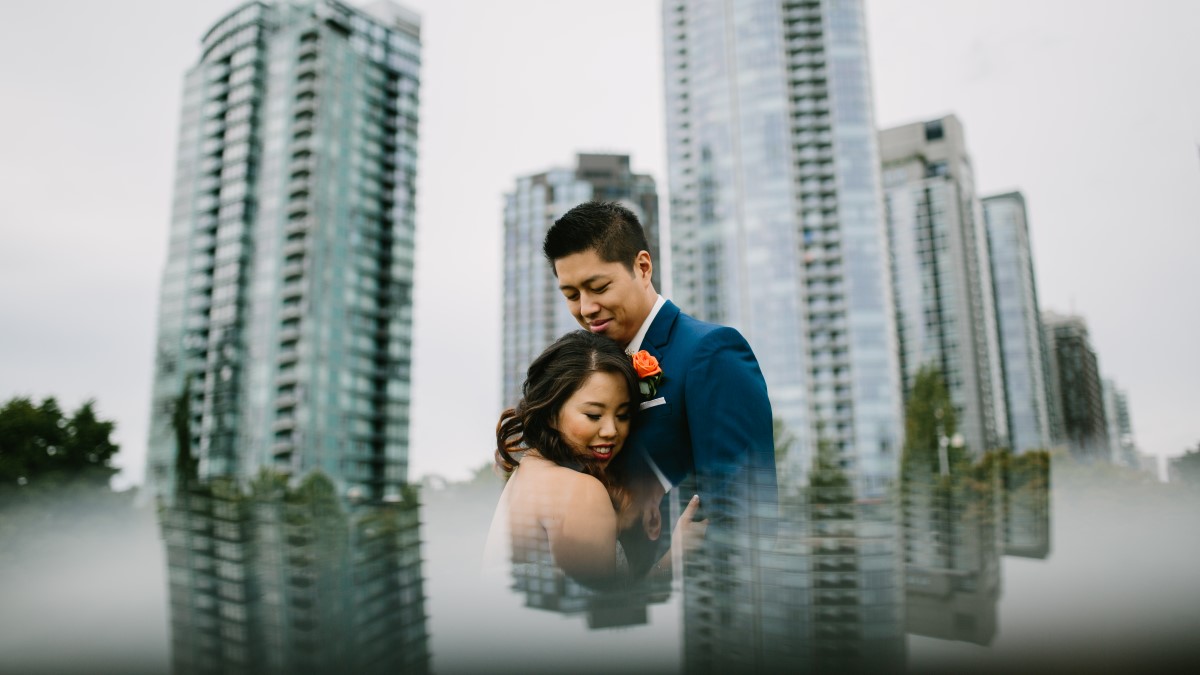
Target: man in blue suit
{"points": [[709, 416]]}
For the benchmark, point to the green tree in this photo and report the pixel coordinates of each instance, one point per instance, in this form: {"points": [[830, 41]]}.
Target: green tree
{"points": [[54, 480], [39, 441], [1187, 467], [828, 481], [930, 422], [185, 462], [784, 441]]}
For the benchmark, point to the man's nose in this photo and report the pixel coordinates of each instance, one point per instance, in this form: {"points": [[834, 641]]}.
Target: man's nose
{"points": [[588, 305]]}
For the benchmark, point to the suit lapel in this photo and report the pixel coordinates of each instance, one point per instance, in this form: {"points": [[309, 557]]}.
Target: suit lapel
{"points": [[659, 333]]}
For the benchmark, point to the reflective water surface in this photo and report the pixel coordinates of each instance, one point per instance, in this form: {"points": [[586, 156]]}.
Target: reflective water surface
{"points": [[983, 563]]}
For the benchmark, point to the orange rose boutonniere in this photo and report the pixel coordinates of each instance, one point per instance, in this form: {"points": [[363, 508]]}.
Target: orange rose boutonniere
{"points": [[649, 373]]}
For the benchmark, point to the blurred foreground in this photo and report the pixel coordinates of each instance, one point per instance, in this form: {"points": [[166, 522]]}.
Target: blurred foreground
{"points": [[87, 588]]}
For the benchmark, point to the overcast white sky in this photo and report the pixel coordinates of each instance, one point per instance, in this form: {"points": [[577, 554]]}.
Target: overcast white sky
{"points": [[1091, 108]]}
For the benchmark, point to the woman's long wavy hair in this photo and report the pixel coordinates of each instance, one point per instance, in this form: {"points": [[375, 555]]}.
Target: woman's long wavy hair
{"points": [[552, 378]]}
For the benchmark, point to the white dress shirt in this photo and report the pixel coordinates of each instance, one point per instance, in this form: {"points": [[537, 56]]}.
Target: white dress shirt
{"points": [[635, 345]]}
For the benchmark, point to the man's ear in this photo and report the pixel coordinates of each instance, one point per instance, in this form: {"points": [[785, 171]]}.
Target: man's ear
{"points": [[643, 265], [652, 522]]}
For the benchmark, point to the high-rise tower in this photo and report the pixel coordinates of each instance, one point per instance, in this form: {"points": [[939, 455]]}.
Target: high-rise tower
{"points": [[534, 311], [1019, 322], [285, 314], [1076, 392], [945, 315], [776, 224]]}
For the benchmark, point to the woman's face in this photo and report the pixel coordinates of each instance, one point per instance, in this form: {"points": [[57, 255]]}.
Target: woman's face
{"points": [[595, 420]]}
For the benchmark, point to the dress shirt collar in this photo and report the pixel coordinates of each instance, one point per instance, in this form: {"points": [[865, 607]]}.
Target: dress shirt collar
{"points": [[636, 343]]}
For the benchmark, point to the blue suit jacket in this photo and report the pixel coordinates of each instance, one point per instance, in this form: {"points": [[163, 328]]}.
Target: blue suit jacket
{"points": [[710, 416]]}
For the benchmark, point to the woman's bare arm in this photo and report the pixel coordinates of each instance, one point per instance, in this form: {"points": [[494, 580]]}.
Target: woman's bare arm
{"points": [[584, 543]]}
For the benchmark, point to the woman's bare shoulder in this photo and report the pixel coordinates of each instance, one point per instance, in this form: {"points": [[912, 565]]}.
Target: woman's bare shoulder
{"points": [[536, 475]]}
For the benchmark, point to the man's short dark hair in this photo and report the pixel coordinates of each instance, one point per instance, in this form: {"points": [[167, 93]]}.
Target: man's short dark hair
{"points": [[608, 228]]}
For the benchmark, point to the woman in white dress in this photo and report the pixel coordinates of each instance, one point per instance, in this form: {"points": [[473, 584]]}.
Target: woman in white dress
{"points": [[562, 504]]}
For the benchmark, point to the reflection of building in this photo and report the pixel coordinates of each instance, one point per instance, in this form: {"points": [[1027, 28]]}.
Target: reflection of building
{"points": [[747, 604], [534, 312], [622, 599], [824, 595], [945, 315], [1027, 505], [1076, 392], [858, 596], [285, 314], [1019, 322], [952, 544], [776, 227], [280, 580], [546, 587]]}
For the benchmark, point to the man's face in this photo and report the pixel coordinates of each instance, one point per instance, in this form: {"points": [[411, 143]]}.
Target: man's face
{"points": [[605, 297]]}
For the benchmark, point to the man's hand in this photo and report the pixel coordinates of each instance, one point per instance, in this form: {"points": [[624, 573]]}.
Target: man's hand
{"points": [[688, 534]]}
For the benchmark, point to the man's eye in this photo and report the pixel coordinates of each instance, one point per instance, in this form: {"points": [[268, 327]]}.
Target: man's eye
{"points": [[571, 296], [601, 289]]}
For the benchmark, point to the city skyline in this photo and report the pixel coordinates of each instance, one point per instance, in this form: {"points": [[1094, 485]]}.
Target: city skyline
{"points": [[1070, 156]]}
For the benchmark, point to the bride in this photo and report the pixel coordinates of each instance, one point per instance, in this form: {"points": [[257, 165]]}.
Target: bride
{"points": [[565, 502]]}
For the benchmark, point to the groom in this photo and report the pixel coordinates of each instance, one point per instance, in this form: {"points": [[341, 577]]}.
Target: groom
{"points": [[709, 415]]}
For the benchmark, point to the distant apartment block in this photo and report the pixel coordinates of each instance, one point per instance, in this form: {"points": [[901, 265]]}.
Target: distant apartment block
{"points": [[1120, 427], [941, 277], [1076, 391], [534, 311]]}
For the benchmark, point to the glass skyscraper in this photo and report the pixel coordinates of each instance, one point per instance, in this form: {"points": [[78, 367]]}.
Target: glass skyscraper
{"points": [[285, 315], [945, 315], [534, 311], [1019, 323], [776, 223]]}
